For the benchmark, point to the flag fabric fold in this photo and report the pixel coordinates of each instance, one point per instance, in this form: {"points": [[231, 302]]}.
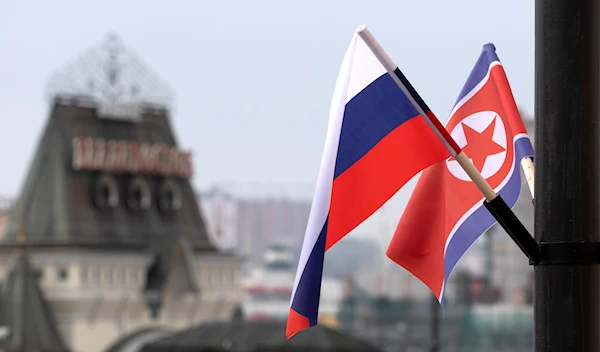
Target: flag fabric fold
{"points": [[445, 214], [376, 142]]}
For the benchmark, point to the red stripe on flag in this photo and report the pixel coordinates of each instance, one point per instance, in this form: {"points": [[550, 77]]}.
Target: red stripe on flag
{"points": [[295, 323], [421, 251], [376, 177]]}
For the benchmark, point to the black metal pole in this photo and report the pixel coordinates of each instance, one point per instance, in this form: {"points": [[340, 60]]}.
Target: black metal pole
{"points": [[514, 228], [567, 209], [435, 325]]}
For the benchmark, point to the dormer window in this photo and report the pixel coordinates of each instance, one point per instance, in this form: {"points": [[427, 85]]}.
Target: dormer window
{"points": [[139, 196], [106, 192], [170, 196]]}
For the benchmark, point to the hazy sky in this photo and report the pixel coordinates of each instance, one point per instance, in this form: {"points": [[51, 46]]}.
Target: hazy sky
{"points": [[253, 79]]}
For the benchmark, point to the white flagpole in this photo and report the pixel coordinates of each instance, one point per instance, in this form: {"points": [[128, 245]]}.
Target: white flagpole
{"points": [[528, 170], [464, 161]]}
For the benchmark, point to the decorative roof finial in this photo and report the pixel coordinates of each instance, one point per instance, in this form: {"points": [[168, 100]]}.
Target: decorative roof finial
{"points": [[111, 73]]}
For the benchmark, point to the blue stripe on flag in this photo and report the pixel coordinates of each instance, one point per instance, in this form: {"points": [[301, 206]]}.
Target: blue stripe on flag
{"points": [[368, 117], [308, 291], [480, 70], [481, 219]]}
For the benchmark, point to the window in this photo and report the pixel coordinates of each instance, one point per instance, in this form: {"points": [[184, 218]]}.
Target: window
{"points": [[84, 274], [139, 196], [135, 275], [204, 276], [214, 276], [96, 275], [120, 273], [106, 192], [228, 276], [62, 274], [108, 275], [170, 198], [224, 276]]}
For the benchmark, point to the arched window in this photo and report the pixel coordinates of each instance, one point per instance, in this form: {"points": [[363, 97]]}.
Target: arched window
{"points": [[170, 198], [106, 192], [139, 196]]}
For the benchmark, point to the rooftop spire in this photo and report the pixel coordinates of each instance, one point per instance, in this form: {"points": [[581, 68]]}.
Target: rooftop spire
{"points": [[25, 317]]}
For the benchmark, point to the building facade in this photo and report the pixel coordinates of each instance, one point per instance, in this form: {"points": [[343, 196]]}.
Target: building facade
{"points": [[107, 216]]}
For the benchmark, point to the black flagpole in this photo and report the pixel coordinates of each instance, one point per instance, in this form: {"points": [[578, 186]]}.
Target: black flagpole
{"points": [[567, 207]]}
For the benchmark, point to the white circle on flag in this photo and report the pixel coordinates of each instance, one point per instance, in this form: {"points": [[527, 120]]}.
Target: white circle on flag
{"points": [[479, 122]]}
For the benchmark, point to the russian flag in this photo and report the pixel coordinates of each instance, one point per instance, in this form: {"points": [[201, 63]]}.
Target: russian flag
{"points": [[445, 214], [380, 135]]}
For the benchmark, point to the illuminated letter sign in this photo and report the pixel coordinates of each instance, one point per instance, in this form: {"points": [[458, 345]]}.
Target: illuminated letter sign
{"points": [[97, 154]]}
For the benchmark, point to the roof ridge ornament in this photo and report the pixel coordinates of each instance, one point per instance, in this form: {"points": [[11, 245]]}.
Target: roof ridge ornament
{"points": [[111, 77]]}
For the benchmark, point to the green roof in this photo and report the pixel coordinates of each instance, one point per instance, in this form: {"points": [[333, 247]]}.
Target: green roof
{"points": [[25, 313], [56, 206]]}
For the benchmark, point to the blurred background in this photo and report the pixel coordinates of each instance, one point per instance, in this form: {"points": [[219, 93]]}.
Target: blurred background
{"points": [[159, 161]]}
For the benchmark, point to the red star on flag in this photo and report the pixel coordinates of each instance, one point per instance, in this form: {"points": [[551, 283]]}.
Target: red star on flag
{"points": [[481, 145]]}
